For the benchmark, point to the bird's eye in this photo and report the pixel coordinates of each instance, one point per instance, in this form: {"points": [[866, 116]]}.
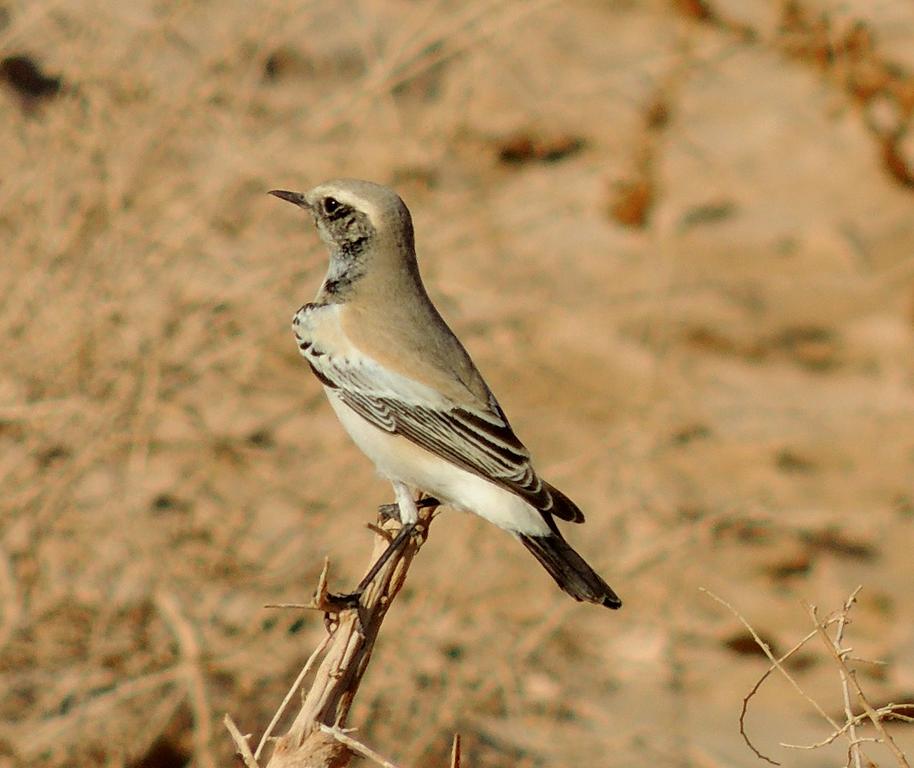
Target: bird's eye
{"points": [[331, 205]]}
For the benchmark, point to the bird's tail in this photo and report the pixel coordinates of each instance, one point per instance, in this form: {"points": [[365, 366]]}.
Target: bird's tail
{"points": [[570, 570]]}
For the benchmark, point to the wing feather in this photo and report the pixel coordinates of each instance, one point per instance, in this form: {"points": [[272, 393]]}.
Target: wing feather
{"points": [[479, 441]]}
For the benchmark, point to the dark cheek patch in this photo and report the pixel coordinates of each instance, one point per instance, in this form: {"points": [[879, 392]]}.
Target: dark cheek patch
{"points": [[352, 231]]}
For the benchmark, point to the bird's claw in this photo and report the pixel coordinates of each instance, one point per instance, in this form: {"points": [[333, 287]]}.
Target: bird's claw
{"points": [[336, 602]]}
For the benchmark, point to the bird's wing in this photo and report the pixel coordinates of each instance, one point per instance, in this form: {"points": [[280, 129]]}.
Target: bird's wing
{"points": [[477, 439]]}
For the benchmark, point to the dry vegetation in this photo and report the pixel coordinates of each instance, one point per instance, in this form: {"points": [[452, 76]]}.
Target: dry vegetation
{"points": [[677, 238]]}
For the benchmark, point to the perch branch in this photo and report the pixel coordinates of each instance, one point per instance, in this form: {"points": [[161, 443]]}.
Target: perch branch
{"points": [[316, 737]]}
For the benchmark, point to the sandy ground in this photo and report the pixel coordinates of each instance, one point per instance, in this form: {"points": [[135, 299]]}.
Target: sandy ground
{"points": [[677, 239]]}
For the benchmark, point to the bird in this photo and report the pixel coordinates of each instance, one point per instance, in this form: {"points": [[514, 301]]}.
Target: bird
{"points": [[405, 389]]}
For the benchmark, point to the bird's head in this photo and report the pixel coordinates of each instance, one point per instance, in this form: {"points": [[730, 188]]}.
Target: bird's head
{"points": [[353, 216]]}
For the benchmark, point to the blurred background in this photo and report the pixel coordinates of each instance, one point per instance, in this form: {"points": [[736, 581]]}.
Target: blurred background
{"points": [[677, 237]]}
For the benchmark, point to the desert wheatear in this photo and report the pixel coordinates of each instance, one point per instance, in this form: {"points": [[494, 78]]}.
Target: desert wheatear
{"points": [[406, 390]]}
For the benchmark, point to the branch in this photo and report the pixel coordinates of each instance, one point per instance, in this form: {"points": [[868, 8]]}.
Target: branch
{"points": [[854, 747], [317, 738], [848, 679], [777, 664], [357, 746], [848, 674]]}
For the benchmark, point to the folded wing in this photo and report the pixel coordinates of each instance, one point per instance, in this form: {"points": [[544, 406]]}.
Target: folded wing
{"points": [[477, 439]]}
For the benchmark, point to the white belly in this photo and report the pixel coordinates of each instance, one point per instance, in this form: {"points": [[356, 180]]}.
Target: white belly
{"points": [[396, 458]]}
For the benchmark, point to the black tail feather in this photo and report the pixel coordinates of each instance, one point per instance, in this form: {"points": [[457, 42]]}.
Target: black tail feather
{"points": [[563, 507], [570, 570]]}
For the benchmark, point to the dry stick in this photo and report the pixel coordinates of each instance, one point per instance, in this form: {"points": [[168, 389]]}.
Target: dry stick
{"points": [[455, 751], [840, 656], [357, 746], [314, 738], [298, 681], [849, 727], [856, 720], [754, 690], [241, 743], [854, 747], [851, 721], [874, 716], [886, 712], [777, 665]]}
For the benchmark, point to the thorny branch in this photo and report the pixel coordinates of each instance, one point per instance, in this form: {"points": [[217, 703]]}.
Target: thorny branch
{"points": [[838, 655], [317, 736], [848, 679]]}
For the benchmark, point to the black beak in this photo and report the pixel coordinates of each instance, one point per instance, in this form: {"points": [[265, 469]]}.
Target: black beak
{"points": [[296, 198]]}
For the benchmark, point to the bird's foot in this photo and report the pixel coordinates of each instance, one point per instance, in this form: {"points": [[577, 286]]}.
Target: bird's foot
{"points": [[388, 512], [341, 601], [392, 511]]}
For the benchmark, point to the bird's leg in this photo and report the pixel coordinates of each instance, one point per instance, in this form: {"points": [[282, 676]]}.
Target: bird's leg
{"points": [[408, 509], [351, 599], [409, 512]]}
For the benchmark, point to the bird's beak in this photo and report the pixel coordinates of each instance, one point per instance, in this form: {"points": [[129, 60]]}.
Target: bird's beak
{"points": [[296, 198]]}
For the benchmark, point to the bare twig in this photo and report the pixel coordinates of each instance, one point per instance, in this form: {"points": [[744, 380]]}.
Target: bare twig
{"points": [[455, 751], [776, 664], [316, 737], [755, 688], [855, 720], [298, 681], [357, 746], [849, 674], [241, 743], [848, 679], [854, 747]]}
